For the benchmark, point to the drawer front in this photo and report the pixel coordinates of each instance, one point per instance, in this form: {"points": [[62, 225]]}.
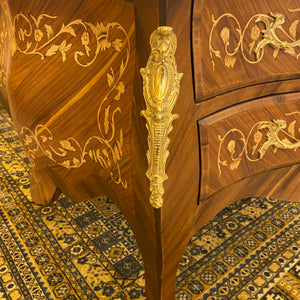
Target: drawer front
{"points": [[237, 44], [248, 139]]}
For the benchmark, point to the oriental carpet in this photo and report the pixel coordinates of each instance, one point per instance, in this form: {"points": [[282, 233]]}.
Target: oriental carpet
{"points": [[67, 250]]}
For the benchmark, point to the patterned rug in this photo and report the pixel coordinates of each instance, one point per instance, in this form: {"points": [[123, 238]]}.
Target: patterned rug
{"points": [[68, 250]]}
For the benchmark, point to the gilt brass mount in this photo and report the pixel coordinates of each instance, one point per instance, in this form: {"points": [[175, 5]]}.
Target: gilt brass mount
{"points": [[161, 88], [274, 130]]}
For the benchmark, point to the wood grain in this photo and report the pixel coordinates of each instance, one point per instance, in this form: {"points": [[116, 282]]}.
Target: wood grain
{"points": [[5, 46], [283, 183], [85, 135], [231, 140], [225, 36]]}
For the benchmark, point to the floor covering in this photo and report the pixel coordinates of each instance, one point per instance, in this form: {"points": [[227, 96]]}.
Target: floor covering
{"points": [[86, 250]]}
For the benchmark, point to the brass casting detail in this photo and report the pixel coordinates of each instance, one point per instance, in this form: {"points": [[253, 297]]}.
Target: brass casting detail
{"points": [[161, 88], [254, 145], [274, 129], [259, 38]]}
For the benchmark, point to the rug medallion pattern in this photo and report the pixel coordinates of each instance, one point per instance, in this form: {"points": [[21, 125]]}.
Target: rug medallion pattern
{"points": [[68, 250]]}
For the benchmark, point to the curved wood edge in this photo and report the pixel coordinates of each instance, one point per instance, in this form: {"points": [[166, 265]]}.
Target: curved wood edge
{"points": [[163, 234], [242, 125], [214, 77], [48, 91], [5, 50], [281, 184]]}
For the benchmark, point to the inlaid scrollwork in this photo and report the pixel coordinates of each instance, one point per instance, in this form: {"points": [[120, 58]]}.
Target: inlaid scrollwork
{"points": [[36, 36], [106, 147], [161, 88], [4, 42], [261, 30], [264, 135]]}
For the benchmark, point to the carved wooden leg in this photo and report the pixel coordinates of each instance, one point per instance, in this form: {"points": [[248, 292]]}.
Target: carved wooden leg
{"points": [[161, 253], [161, 236], [43, 189], [161, 284]]}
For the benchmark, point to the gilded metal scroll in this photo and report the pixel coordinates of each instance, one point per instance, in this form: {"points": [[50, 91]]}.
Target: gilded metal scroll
{"points": [[274, 130], [270, 36], [252, 39], [236, 145], [160, 87]]}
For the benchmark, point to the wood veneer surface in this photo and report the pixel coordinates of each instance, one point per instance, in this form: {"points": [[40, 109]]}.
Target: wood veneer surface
{"points": [[61, 108]]}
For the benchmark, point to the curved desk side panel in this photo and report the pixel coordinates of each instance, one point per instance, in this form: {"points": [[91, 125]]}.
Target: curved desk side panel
{"points": [[71, 88], [5, 45]]}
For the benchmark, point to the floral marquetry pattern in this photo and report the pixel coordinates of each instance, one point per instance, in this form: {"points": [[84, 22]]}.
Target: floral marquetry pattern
{"points": [[36, 36], [264, 135], [39, 38], [4, 36], [261, 30]]}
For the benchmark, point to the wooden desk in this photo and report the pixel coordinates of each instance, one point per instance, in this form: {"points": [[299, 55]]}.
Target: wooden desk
{"points": [[228, 128]]}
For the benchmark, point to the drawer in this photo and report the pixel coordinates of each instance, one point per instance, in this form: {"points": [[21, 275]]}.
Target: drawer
{"points": [[248, 139], [237, 44]]}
